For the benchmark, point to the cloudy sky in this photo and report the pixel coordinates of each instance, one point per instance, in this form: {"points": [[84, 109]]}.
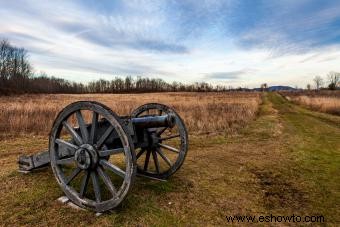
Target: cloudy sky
{"points": [[231, 42]]}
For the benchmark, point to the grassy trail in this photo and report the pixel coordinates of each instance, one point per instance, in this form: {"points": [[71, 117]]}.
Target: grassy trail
{"points": [[314, 143], [285, 162]]}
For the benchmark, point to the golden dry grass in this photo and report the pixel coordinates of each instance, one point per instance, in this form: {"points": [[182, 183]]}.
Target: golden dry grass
{"points": [[319, 103], [202, 112]]}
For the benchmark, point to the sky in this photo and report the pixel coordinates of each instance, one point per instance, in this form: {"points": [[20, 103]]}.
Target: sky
{"points": [[231, 42]]}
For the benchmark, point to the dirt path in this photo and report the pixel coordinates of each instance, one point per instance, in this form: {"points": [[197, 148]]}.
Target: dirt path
{"points": [[286, 162]]}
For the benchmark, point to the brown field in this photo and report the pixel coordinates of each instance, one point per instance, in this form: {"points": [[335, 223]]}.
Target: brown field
{"points": [[202, 113], [323, 101]]}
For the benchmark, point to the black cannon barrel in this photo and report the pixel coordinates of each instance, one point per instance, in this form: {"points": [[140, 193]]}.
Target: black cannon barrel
{"points": [[167, 120]]}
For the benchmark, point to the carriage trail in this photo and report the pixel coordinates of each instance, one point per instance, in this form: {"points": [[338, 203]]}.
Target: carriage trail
{"points": [[285, 162]]}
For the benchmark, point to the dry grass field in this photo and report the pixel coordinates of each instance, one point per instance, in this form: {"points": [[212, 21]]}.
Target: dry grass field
{"points": [[284, 160], [323, 101], [202, 113]]}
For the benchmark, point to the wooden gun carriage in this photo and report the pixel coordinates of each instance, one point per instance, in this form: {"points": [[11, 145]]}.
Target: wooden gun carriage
{"points": [[96, 154]]}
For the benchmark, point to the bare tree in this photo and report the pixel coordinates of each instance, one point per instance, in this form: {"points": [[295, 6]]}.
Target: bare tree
{"points": [[14, 67], [318, 82], [264, 87], [334, 80], [308, 87]]}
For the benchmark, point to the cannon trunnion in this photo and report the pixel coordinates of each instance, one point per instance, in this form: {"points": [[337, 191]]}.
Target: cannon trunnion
{"points": [[96, 154]]}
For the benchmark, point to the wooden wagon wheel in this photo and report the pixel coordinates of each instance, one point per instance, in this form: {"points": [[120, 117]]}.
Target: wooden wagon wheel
{"points": [[91, 175], [169, 147]]}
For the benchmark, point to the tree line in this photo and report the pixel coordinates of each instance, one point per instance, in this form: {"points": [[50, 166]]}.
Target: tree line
{"points": [[17, 76]]}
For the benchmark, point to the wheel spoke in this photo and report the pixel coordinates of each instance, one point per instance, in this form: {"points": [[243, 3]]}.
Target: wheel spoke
{"points": [[170, 137], [107, 181], [84, 184], [69, 146], [160, 132], [73, 175], [65, 161], [104, 136], [110, 152], [94, 126], [169, 148], [140, 153], [160, 152], [112, 167], [155, 159], [147, 159], [77, 139], [96, 187], [82, 126]]}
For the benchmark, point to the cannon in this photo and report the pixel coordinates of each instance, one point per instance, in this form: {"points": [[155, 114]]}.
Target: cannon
{"points": [[95, 154]]}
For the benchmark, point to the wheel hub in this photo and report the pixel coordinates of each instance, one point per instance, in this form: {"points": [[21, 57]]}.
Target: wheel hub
{"points": [[86, 157]]}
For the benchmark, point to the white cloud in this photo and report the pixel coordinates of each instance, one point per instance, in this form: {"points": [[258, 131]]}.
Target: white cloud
{"points": [[71, 41]]}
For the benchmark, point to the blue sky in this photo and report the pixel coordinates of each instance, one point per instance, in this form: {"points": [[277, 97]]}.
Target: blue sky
{"points": [[231, 42]]}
